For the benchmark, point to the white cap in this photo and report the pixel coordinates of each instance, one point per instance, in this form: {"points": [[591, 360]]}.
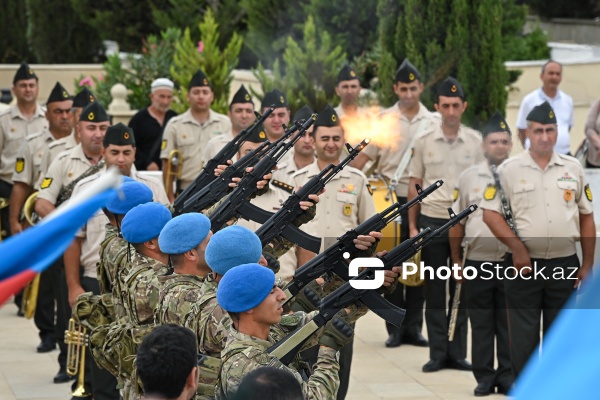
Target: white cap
{"points": [[162, 83]]}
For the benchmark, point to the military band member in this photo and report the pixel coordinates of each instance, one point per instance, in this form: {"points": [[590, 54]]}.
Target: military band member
{"points": [[241, 114], [191, 131], [551, 206], [348, 90], [184, 239], [23, 119], [81, 100], [345, 204], [442, 151], [484, 295], [411, 115], [149, 123], [249, 294]]}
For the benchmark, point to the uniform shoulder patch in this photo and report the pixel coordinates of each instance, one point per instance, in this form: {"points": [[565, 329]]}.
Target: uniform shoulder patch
{"points": [[19, 165], [163, 145], [46, 183], [490, 192], [588, 192], [455, 194], [283, 185]]}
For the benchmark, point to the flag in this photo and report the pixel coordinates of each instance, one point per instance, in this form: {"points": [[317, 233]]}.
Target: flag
{"points": [[569, 366], [24, 255]]}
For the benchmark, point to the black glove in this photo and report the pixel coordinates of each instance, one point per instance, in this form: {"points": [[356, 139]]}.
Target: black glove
{"points": [[337, 332], [309, 298], [272, 262]]}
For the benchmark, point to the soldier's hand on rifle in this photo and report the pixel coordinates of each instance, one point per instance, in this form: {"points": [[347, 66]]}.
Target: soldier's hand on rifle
{"points": [[337, 332], [221, 167], [364, 242]]}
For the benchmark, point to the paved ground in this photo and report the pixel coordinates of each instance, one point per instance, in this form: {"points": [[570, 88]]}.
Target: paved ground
{"points": [[377, 372]]}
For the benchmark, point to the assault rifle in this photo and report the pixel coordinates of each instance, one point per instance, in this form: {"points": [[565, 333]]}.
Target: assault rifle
{"points": [[346, 295], [207, 175], [237, 203], [334, 255]]}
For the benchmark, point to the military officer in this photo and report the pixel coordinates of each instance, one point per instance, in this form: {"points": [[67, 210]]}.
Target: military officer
{"points": [[184, 239], [409, 115], [23, 119], [345, 204], [249, 293], [191, 131], [56, 147], [241, 114], [551, 205], [442, 151], [485, 297]]}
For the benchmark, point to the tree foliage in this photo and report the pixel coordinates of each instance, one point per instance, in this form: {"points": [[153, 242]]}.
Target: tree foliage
{"points": [[310, 69], [216, 62], [13, 25], [587, 9]]}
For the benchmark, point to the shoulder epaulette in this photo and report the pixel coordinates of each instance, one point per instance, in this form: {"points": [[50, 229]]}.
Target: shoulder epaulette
{"points": [[283, 185], [33, 136]]}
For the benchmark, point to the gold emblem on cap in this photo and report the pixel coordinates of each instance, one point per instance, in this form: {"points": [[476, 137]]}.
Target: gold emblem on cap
{"points": [[247, 97], [30, 71], [281, 99], [262, 135], [91, 116], [205, 81], [502, 125], [92, 99], [551, 115], [411, 76], [65, 94], [126, 135], [453, 89], [333, 118], [352, 73]]}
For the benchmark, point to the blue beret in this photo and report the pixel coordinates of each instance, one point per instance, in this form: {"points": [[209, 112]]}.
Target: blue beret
{"points": [[183, 233], [232, 246], [144, 222], [245, 287], [133, 194]]}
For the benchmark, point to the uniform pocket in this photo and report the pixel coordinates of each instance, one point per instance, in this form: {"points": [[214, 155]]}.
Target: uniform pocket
{"points": [[523, 196]]}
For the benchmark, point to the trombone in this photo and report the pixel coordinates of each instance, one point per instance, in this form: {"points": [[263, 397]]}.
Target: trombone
{"points": [[174, 168], [30, 293], [76, 340]]}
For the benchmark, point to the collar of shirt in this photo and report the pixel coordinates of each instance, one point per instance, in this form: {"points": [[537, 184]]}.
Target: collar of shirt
{"points": [[484, 169], [70, 141], [189, 118], [542, 95], [242, 337], [78, 154], [314, 170], [528, 161], [39, 113], [422, 113], [439, 133]]}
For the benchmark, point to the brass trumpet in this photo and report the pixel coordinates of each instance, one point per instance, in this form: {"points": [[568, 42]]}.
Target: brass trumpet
{"points": [[3, 204], [174, 168], [76, 340]]}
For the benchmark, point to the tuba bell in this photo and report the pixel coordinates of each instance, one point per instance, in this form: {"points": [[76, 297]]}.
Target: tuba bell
{"points": [[76, 341], [3, 204], [174, 168], [30, 296]]}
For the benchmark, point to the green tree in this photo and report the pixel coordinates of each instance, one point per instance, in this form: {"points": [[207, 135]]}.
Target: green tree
{"points": [[124, 21], [57, 35], [216, 62], [13, 29], [587, 9], [310, 70]]}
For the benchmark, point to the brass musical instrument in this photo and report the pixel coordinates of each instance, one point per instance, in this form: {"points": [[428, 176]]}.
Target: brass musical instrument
{"points": [[456, 299], [76, 341], [384, 195], [30, 296], [29, 210], [3, 204], [174, 168]]}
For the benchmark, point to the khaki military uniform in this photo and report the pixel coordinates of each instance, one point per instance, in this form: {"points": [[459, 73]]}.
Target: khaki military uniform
{"points": [[215, 145], [485, 297], [546, 205], [190, 137], [178, 293], [14, 128], [244, 353], [400, 138], [94, 230], [345, 204], [27, 166], [271, 201], [433, 158], [286, 169], [51, 153]]}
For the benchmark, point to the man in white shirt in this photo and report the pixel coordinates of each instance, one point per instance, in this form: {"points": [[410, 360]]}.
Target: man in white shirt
{"points": [[561, 103]]}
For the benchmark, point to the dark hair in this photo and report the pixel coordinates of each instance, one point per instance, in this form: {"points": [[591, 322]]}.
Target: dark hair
{"points": [[165, 359], [269, 383]]}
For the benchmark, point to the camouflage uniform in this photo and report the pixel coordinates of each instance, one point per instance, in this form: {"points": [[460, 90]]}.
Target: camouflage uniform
{"points": [[113, 251], [244, 353], [177, 295]]}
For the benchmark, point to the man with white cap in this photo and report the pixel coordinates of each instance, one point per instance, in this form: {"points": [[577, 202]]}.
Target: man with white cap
{"points": [[148, 125]]}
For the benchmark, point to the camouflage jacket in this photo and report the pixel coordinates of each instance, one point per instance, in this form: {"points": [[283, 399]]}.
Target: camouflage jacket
{"points": [[140, 289], [244, 353], [112, 252], [177, 295]]}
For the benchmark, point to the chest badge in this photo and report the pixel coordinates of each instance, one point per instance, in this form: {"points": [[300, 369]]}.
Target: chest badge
{"points": [[347, 210]]}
